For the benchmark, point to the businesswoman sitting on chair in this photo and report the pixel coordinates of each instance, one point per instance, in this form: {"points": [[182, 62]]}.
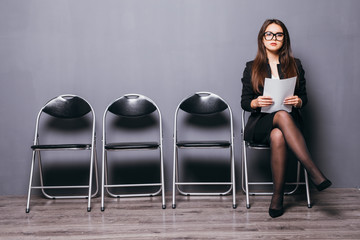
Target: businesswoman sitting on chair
{"points": [[279, 129]]}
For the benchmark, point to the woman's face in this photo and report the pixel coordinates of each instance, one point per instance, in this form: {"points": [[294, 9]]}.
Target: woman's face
{"points": [[273, 38]]}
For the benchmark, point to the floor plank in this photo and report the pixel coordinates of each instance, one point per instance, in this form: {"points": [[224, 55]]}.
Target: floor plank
{"points": [[334, 215]]}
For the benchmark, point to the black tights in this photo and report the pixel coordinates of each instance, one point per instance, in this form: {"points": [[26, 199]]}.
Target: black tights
{"points": [[285, 134]]}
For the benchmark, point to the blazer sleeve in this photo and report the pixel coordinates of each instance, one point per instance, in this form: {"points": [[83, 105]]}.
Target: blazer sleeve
{"points": [[248, 93], [301, 89]]}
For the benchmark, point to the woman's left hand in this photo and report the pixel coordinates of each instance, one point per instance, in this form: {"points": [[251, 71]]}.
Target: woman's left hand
{"points": [[293, 101]]}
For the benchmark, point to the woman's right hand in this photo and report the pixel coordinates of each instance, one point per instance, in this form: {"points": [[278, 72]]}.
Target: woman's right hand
{"points": [[261, 101]]}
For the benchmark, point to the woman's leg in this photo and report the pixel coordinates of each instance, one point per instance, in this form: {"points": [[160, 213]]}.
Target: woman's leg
{"points": [[278, 167], [296, 143]]}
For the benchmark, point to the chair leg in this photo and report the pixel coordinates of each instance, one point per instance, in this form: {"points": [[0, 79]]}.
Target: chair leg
{"points": [[162, 179], [103, 165], [174, 178], [27, 210], [92, 162], [307, 189], [246, 176], [95, 170], [96, 175], [233, 179]]}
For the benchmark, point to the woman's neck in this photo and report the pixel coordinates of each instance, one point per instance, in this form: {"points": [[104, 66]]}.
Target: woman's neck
{"points": [[273, 58]]}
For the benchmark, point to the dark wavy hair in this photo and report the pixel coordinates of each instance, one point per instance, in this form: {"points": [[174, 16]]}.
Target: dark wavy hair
{"points": [[259, 68]]}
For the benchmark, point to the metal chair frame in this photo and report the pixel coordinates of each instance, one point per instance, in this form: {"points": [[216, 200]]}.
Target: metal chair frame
{"points": [[244, 171], [36, 154], [132, 146], [203, 145]]}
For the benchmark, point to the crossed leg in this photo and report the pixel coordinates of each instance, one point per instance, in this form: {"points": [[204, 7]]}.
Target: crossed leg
{"points": [[285, 134]]}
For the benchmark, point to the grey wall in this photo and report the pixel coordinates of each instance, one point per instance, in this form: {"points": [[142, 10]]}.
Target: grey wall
{"points": [[166, 50]]}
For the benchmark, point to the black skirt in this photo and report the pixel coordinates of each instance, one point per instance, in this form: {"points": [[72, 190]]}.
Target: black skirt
{"points": [[264, 126]]}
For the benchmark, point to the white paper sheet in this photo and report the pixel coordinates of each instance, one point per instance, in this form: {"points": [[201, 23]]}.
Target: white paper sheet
{"points": [[278, 89]]}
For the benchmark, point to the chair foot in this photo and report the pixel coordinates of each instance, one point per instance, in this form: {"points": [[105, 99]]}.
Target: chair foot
{"points": [[163, 206], [248, 206], [174, 206], [27, 210], [89, 209], [234, 206], [309, 206], [102, 209]]}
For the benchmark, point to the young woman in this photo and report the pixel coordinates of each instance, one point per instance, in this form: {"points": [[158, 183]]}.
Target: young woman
{"points": [[282, 130]]}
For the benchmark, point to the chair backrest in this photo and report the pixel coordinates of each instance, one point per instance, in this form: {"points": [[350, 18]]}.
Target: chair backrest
{"points": [[132, 105], [67, 106], [134, 116], [63, 115], [206, 117], [203, 103]]}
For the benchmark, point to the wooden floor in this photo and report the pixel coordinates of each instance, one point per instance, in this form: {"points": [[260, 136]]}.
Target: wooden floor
{"points": [[335, 215]]}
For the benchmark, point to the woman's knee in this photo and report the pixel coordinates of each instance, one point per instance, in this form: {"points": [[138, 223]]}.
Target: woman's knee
{"points": [[282, 116], [277, 137]]}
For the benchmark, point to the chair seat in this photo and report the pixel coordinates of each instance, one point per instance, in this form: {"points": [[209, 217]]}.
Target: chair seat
{"points": [[257, 145], [131, 145], [205, 144], [60, 146]]}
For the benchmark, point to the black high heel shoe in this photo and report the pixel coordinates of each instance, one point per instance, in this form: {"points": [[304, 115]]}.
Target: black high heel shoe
{"points": [[325, 184], [277, 212], [274, 213]]}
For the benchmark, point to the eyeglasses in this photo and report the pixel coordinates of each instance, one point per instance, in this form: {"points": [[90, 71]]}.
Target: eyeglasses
{"points": [[270, 35]]}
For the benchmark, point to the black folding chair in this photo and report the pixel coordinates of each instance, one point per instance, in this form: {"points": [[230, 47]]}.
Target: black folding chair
{"points": [[208, 106], [139, 111], [69, 115]]}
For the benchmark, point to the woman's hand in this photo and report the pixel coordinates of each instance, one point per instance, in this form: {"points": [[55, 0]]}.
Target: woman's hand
{"points": [[261, 101], [293, 101]]}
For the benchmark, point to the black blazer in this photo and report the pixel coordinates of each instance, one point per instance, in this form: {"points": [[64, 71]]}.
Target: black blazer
{"points": [[248, 94]]}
